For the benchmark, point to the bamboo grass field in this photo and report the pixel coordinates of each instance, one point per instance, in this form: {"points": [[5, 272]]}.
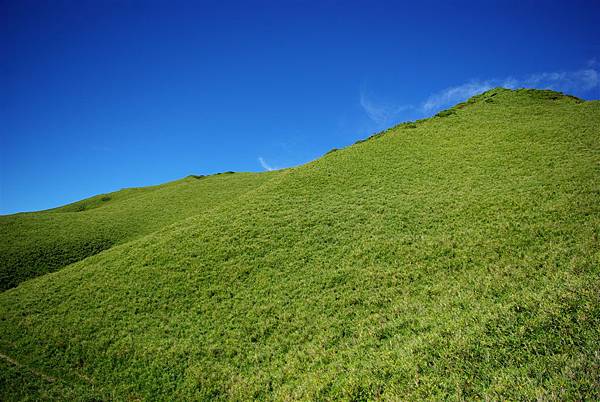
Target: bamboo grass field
{"points": [[451, 258]]}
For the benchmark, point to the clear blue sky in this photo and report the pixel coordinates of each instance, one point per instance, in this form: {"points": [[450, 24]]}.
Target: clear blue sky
{"points": [[100, 95]]}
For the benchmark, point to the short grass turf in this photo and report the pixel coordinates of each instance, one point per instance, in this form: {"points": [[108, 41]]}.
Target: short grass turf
{"points": [[33, 244], [453, 258]]}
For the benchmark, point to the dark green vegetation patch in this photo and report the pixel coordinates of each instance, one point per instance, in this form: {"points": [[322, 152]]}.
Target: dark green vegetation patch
{"points": [[458, 259]]}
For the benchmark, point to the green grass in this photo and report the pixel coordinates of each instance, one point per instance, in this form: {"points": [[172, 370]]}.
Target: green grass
{"points": [[33, 244], [456, 258]]}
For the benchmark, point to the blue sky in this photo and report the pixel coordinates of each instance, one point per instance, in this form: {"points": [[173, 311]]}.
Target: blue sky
{"points": [[100, 95]]}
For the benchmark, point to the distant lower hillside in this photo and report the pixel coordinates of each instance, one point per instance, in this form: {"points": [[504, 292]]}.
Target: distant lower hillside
{"points": [[36, 243], [452, 258]]}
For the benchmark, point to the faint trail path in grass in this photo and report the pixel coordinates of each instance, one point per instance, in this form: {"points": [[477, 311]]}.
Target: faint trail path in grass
{"points": [[19, 365], [39, 373]]}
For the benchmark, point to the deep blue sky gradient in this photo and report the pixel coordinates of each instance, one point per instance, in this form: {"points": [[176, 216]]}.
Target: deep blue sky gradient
{"points": [[100, 95]]}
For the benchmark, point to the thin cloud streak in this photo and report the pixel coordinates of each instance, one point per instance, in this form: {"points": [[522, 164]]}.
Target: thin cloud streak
{"points": [[582, 80], [564, 81], [381, 113], [265, 165], [456, 94]]}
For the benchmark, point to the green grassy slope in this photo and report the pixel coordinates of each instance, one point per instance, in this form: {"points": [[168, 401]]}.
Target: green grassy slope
{"points": [[33, 244], [456, 258]]}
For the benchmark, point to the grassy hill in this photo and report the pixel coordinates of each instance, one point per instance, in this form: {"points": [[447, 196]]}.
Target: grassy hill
{"points": [[456, 257], [33, 244]]}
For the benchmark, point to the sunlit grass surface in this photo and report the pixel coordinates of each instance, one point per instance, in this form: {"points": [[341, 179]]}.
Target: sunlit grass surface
{"points": [[36, 243], [454, 258]]}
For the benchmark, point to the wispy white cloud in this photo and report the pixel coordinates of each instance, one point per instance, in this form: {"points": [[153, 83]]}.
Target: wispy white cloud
{"points": [[265, 165], [381, 113], [564, 81], [582, 80], [452, 95]]}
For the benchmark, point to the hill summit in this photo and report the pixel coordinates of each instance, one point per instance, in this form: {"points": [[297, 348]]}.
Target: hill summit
{"points": [[455, 257], [523, 96]]}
